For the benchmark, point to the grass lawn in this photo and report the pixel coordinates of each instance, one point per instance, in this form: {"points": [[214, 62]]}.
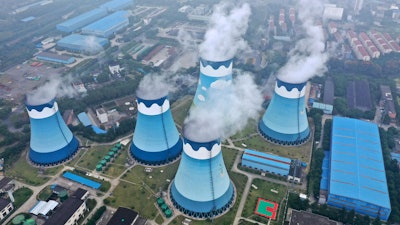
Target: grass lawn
{"points": [[45, 193], [139, 198], [121, 157], [21, 196], [114, 170], [155, 179], [21, 170], [93, 156], [264, 191], [180, 109], [76, 158]]}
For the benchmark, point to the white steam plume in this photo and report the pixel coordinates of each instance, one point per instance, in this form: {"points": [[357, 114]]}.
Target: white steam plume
{"points": [[308, 57], [155, 86], [225, 112], [55, 87], [224, 36]]}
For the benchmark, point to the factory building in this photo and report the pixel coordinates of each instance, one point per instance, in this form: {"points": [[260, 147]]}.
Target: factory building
{"points": [[285, 120], [108, 25], [213, 76], [156, 139], [266, 162], [116, 5], [51, 140], [82, 44], [356, 179], [82, 20], [52, 57]]}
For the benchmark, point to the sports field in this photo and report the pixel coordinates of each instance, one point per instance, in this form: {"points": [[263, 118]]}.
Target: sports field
{"points": [[266, 208]]}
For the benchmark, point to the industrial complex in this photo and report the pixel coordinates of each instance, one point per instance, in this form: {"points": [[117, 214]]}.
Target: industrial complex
{"points": [[354, 174], [169, 150]]}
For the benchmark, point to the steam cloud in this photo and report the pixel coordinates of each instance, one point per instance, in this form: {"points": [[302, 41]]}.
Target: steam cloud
{"points": [[225, 112], [224, 37], [56, 87], [155, 86], [308, 57]]}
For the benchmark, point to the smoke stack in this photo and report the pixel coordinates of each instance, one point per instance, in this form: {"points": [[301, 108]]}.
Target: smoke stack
{"points": [[202, 188], [51, 140], [285, 120], [156, 140], [214, 75]]}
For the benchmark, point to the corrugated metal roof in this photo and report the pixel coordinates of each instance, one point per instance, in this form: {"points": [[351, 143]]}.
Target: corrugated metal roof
{"points": [[83, 117], [263, 157], [357, 167], [107, 22]]}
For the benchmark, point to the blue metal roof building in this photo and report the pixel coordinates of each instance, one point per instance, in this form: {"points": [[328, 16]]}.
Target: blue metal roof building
{"points": [[266, 162], [51, 57], [108, 25], [357, 173], [81, 20], [83, 43], [116, 5]]}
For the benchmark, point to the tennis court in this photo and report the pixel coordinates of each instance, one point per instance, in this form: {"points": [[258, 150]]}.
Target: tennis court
{"points": [[266, 208]]}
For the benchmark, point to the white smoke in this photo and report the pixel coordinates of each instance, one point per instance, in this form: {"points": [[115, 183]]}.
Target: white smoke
{"points": [[308, 57], [92, 45], [223, 38], [225, 112], [155, 86], [188, 46], [55, 87]]}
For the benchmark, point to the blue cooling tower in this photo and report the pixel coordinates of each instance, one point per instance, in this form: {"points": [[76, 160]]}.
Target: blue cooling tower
{"points": [[285, 120], [213, 75], [202, 187], [51, 140], [156, 140]]}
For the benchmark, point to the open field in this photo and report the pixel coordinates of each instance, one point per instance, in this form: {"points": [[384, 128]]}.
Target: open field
{"points": [[93, 156], [156, 179], [139, 198], [21, 170]]}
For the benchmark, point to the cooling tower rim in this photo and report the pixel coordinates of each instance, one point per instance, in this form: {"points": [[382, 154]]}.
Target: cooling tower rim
{"points": [[283, 81], [198, 143], [40, 107], [216, 64], [290, 86], [150, 101]]}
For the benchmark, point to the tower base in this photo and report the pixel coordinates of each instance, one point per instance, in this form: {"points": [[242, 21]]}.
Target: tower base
{"points": [[156, 158], [55, 157], [283, 139], [204, 210]]}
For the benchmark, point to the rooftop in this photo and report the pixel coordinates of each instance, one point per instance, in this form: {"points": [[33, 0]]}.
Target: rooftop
{"points": [[123, 216], [3, 203], [307, 218], [357, 167], [64, 212]]}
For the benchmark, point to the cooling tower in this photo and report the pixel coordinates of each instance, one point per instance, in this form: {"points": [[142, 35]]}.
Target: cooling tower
{"points": [[285, 120], [155, 140], [51, 140], [202, 187], [213, 75]]}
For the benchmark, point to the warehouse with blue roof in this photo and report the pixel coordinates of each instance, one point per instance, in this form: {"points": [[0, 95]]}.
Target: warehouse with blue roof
{"points": [[81, 20], [356, 177], [82, 43], [266, 162], [108, 25], [116, 5]]}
